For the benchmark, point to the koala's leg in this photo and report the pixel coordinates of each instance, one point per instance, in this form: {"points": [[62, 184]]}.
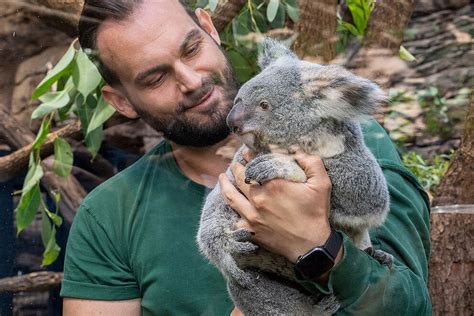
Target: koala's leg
{"points": [[217, 239], [362, 240], [268, 296], [273, 166]]}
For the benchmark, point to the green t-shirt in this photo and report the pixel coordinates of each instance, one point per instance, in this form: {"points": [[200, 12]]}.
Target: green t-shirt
{"points": [[135, 237]]}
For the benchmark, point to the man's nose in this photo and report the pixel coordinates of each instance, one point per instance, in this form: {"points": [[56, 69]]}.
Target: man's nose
{"points": [[188, 79]]}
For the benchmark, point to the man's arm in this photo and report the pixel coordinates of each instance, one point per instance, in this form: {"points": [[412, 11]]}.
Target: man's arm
{"points": [[79, 307], [361, 283]]}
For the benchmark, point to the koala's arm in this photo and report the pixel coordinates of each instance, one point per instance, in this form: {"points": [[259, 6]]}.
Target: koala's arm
{"points": [[360, 283]]}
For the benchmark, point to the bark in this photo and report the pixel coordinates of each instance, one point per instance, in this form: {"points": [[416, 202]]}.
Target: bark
{"points": [[15, 162], [457, 185], [36, 281], [317, 29], [225, 12], [451, 277], [387, 23]]}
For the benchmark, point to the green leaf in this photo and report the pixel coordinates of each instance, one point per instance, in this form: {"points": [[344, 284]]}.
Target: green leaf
{"points": [[52, 250], [405, 54], [85, 110], [242, 68], [34, 175], [213, 5], [27, 207], [62, 68], [86, 76], [293, 10], [63, 157], [358, 15], [57, 220], [94, 140], [42, 133], [272, 9], [101, 114], [279, 21], [351, 28], [51, 102], [45, 228]]}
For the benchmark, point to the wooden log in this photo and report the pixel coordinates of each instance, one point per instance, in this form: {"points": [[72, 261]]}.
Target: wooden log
{"points": [[35, 281], [451, 275]]}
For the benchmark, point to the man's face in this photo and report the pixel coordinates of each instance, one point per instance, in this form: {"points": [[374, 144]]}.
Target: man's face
{"points": [[172, 72]]}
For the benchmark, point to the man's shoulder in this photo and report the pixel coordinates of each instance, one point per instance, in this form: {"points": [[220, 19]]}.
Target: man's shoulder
{"points": [[127, 182]]}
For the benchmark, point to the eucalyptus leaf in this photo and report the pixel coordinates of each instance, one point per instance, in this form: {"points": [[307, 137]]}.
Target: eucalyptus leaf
{"points": [[94, 140], [27, 207], [279, 21], [42, 133], [405, 54], [63, 157], [85, 110], [85, 75], [33, 176], [102, 113], [62, 68], [51, 102], [213, 5], [57, 220], [272, 9], [52, 250], [292, 10], [242, 68], [46, 228]]}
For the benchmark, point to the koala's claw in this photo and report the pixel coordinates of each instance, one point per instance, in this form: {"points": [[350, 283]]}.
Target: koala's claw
{"points": [[240, 235], [381, 256]]}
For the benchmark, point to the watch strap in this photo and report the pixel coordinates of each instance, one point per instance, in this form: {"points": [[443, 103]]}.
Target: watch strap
{"points": [[333, 243]]}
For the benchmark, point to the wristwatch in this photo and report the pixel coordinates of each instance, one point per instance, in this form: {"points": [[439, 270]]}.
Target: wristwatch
{"points": [[320, 259]]}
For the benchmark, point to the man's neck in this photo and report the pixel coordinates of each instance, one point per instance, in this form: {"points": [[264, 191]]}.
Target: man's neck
{"points": [[202, 164]]}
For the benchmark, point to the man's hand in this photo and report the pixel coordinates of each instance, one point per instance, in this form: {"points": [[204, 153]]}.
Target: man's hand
{"points": [[284, 217]]}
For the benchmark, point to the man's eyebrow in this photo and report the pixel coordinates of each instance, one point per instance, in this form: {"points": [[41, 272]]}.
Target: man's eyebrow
{"points": [[191, 36]]}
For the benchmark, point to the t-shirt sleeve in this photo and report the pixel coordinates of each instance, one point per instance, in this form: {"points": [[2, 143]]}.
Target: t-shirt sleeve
{"points": [[94, 266], [360, 283]]}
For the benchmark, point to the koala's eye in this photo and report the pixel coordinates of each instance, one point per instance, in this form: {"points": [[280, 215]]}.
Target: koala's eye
{"points": [[264, 105]]}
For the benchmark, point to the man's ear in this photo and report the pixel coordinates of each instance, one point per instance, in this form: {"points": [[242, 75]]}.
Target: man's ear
{"points": [[119, 101], [206, 23]]}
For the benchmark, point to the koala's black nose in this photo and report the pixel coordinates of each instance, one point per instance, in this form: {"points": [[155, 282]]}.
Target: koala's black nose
{"points": [[235, 117]]}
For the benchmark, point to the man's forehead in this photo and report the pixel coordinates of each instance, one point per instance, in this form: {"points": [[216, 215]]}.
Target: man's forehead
{"points": [[154, 24]]}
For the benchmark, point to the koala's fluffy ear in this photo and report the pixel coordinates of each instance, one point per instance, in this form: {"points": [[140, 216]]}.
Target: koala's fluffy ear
{"points": [[271, 51], [339, 94]]}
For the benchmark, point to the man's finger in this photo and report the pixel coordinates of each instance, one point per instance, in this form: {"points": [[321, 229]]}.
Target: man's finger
{"points": [[314, 169], [239, 174], [234, 198]]}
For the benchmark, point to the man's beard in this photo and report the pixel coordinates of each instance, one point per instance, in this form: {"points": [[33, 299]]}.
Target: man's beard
{"points": [[188, 131]]}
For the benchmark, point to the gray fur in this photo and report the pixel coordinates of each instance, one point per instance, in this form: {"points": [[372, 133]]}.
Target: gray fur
{"points": [[296, 104]]}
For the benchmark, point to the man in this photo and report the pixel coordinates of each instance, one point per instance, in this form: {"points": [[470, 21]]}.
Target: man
{"points": [[132, 246]]}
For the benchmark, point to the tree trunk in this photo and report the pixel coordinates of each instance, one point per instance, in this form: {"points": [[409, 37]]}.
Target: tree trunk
{"points": [[36, 281], [317, 29], [387, 24], [451, 268], [457, 185]]}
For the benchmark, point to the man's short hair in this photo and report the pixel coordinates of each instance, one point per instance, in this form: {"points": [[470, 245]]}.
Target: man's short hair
{"points": [[96, 12]]}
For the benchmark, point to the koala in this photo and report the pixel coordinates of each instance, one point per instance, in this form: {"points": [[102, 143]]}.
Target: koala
{"points": [[296, 104]]}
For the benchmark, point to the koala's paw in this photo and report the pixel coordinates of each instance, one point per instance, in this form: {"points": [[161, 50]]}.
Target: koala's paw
{"points": [[381, 256], [239, 242], [269, 166]]}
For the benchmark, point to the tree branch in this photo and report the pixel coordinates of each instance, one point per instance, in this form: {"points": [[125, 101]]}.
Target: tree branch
{"points": [[13, 163], [35, 281], [225, 12]]}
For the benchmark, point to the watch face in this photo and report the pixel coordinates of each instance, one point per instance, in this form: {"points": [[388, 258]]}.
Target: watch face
{"points": [[315, 263]]}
